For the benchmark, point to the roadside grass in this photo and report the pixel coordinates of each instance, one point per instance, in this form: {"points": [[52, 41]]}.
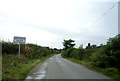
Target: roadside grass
{"points": [[111, 72], [14, 68]]}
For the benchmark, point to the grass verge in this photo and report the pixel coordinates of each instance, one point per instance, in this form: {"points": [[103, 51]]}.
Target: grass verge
{"points": [[14, 68], [111, 72]]}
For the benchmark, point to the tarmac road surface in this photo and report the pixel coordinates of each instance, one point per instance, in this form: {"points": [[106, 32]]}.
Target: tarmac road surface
{"points": [[57, 67]]}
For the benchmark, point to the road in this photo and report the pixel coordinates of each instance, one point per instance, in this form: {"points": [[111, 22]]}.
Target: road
{"points": [[57, 67]]}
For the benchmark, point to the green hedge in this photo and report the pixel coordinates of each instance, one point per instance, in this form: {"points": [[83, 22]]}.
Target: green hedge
{"points": [[29, 50]]}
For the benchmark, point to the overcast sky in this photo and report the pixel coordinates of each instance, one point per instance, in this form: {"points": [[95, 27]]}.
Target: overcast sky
{"points": [[49, 22]]}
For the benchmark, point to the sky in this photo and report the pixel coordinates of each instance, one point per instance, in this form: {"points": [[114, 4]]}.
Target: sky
{"points": [[49, 22]]}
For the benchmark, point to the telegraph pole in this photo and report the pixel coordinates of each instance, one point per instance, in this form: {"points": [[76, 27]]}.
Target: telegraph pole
{"points": [[119, 17]]}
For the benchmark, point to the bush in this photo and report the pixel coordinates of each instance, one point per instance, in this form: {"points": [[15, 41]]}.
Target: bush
{"points": [[67, 52], [77, 54], [30, 51], [88, 53], [113, 50], [110, 71], [9, 48], [108, 55], [74, 54], [99, 58], [35, 51]]}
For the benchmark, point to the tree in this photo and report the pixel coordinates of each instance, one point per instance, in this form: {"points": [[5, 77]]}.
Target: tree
{"points": [[81, 46], [112, 50], [108, 55], [89, 46], [94, 46], [68, 44]]}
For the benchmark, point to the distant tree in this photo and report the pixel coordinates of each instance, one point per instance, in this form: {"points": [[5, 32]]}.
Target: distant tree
{"points": [[89, 46], [81, 46], [55, 49], [68, 44], [94, 46], [101, 45]]}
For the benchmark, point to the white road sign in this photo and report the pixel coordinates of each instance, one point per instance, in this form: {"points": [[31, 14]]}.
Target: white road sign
{"points": [[20, 40]]}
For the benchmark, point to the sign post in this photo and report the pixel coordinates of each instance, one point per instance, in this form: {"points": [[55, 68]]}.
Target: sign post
{"points": [[19, 51], [19, 40]]}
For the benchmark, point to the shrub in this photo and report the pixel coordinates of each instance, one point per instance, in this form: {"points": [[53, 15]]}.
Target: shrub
{"points": [[67, 52], [81, 53], [108, 55], [28, 50], [74, 53], [9, 48], [99, 58], [110, 71], [112, 50]]}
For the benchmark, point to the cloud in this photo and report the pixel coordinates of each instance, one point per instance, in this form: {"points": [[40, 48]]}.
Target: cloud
{"points": [[49, 22]]}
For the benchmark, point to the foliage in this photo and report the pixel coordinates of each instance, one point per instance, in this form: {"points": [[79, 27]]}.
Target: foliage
{"points": [[99, 58], [108, 55], [77, 53], [105, 57], [88, 53], [68, 47], [9, 48], [67, 52], [87, 47], [68, 44], [31, 55], [81, 46], [18, 69], [111, 72], [113, 50], [30, 51]]}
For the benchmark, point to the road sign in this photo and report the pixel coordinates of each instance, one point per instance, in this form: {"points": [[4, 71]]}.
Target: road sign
{"points": [[19, 40]]}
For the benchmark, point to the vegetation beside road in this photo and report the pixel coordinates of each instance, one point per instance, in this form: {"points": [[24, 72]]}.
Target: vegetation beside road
{"points": [[31, 55], [103, 58], [19, 68]]}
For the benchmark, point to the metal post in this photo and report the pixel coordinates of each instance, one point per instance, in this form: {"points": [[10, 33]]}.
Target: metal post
{"points": [[19, 52]]}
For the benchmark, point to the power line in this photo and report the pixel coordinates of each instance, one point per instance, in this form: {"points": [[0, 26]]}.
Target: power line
{"points": [[104, 14]]}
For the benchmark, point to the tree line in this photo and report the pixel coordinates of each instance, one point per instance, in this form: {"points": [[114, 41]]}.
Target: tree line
{"points": [[102, 56]]}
